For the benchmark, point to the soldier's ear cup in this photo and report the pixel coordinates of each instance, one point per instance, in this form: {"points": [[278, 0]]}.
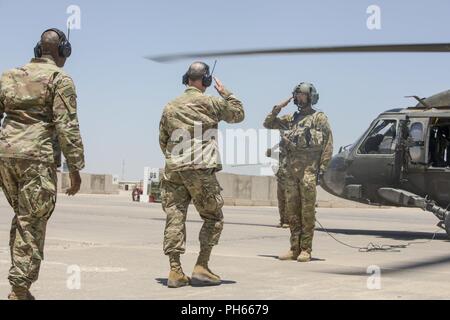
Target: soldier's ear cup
{"points": [[314, 98], [207, 80], [38, 50], [185, 79], [65, 49]]}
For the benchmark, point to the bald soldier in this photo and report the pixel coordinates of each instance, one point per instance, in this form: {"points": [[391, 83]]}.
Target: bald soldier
{"points": [[38, 103], [189, 143]]}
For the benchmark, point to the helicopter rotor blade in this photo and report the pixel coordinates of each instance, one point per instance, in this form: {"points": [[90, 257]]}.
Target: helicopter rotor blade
{"points": [[421, 47]]}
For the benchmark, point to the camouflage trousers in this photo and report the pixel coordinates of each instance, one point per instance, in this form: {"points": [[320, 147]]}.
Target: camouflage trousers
{"points": [[281, 195], [30, 188], [177, 191], [301, 197]]}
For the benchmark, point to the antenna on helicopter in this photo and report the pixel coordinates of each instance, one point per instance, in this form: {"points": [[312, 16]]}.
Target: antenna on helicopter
{"points": [[421, 101]]}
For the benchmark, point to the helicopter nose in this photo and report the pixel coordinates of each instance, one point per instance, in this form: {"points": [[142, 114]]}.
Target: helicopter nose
{"points": [[334, 178]]}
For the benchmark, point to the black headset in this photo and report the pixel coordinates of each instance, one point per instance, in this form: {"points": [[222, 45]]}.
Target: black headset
{"points": [[64, 46], [206, 79]]}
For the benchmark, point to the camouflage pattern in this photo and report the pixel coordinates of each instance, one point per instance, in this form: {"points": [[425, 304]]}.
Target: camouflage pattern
{"points": [[191, 174], [281, 196], [309, 148], [40, 104], [280, 156], [57, 152], [30, 188], [178, 189], [281, 183], [182, 115]]}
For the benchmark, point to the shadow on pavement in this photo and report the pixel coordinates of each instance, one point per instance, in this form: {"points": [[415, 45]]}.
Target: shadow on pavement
{"points": [[276, 258], [394, 269], [163, 281], [230, 223]]}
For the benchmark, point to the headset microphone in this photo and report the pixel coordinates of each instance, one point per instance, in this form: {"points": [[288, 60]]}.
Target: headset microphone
{"points": [[214, 67], [208, 78]]}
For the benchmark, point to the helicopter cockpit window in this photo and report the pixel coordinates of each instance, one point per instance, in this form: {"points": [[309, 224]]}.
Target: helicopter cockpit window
{"points": [[381, 140]]}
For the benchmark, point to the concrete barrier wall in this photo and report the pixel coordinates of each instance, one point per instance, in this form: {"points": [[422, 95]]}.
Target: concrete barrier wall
{"points": [[90, 183], [238, 190], [241, 190]]}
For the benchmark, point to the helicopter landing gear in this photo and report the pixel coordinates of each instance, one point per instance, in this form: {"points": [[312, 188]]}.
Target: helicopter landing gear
{"points": [[447, 224], [407, 199]]}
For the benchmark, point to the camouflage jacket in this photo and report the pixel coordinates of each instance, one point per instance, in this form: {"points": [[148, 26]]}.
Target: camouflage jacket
{"points": [[188, 129], [293, 123], [40, 107]]}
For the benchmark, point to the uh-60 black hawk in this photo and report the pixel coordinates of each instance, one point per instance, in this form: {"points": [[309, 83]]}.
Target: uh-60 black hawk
{"points": [[403, 159]]}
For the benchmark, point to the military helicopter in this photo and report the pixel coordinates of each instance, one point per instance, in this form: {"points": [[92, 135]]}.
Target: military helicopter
{"points": [[406, 149]]}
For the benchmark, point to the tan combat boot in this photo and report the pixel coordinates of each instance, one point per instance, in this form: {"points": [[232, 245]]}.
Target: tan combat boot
{"points": [[177, 278], [304, 257], [291, 255], [20, 293], [202, 276]]}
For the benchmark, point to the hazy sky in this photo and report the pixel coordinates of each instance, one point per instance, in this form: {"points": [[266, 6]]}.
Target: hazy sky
{"points": [[121, 95]]}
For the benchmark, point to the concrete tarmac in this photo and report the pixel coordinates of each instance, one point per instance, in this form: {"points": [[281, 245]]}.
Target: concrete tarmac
{"points": [[107, 247]]}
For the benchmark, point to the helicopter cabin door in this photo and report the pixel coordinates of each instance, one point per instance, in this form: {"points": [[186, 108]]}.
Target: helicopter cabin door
{"points": [[376, 159], [429, 171]]}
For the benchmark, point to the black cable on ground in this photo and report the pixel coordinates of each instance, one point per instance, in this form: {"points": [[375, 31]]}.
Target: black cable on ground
{"points": [[372, 247]]}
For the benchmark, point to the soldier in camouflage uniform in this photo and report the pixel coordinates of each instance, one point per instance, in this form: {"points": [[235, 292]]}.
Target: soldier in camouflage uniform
{"points": [[188, 140], [309, 145], [38, 101], [281, 181]]}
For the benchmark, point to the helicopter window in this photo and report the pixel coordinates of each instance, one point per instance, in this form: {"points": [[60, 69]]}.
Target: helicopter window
{"points": [[439, 152], [416, 131], [416, 148], [381, 139]]}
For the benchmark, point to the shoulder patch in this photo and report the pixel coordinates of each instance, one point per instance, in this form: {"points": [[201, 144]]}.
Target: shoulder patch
{"points": [[73, 101], [69, 91], [65, 88]]}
